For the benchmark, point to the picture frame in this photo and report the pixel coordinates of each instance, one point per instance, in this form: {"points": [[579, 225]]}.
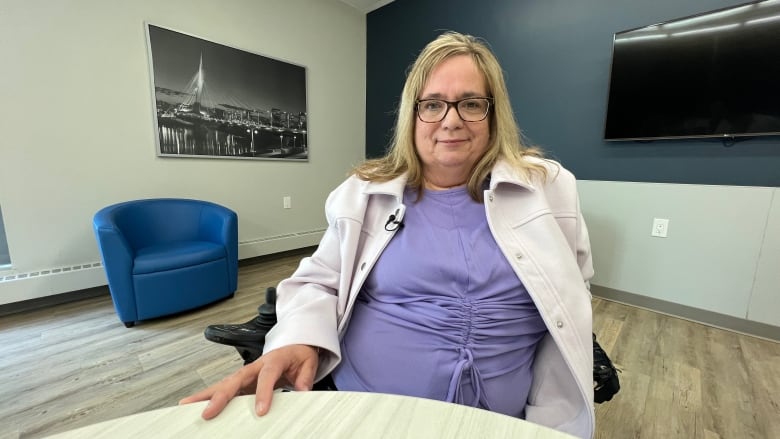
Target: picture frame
{"points": [[216, 101]]}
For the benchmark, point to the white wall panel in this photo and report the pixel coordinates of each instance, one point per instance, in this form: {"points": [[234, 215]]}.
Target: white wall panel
{"points": [[710, 256], [765, 300]]}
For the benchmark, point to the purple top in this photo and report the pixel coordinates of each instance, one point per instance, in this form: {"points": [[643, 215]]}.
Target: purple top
{"points": [[442, 315]]}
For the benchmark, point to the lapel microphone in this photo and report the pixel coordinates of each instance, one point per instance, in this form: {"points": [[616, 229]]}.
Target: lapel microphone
{"points": [[393, 223]]}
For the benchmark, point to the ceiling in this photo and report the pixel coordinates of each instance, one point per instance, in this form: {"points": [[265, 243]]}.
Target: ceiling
{"points": [[366, 6]]}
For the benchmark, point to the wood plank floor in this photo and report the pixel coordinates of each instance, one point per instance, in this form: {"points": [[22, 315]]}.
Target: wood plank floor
{"points": [[76, 364]]}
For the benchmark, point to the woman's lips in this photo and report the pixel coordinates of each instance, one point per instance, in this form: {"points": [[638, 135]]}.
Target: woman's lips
{"points": [[451, 141]]}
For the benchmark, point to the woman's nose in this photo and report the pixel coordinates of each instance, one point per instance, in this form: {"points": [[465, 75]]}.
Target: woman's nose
{"points": [[452, 118]]}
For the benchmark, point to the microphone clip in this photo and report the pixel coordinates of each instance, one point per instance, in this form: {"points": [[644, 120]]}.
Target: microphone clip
{"points": [[393, 222]]}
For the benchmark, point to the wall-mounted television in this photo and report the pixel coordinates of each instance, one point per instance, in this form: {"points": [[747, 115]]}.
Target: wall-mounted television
{"points": [[715, 74]]}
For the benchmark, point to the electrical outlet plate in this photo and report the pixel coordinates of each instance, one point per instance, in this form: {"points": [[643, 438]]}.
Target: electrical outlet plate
{"points": [[287, 202], [660, 227]]}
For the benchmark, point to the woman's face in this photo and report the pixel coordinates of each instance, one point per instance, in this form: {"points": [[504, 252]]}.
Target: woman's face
{"points": [[450, 148]]}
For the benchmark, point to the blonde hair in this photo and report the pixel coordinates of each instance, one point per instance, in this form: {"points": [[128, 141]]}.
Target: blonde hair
{"points": [[505, 138]]}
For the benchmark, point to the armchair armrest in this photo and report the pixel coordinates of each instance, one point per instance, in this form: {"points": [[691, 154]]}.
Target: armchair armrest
{"points": [[220, 225], [114, 247]]}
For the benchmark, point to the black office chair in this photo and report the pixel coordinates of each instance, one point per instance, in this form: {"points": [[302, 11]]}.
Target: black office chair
{"points": [[249, 338]]}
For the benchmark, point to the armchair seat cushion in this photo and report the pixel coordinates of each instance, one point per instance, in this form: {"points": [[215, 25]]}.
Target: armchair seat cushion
{"points": [[170, 256]]}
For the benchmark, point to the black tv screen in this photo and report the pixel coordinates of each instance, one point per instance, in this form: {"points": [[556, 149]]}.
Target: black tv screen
{"points": [[715, 74]]}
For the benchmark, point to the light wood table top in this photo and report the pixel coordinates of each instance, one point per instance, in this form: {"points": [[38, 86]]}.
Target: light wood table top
{"points": [[320, 415]]}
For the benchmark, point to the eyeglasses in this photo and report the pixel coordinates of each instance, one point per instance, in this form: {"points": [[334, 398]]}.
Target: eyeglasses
{"points": [[469, 109]]}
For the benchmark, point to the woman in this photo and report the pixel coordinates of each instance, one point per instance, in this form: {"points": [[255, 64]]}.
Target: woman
{"points": [[454, 268]]}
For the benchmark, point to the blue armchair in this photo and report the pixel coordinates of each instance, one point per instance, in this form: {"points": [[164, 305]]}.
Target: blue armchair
{"points": [[163, 256]]}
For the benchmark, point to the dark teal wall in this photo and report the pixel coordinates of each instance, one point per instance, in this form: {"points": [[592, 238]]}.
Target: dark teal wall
{"points": [[556, 57]]}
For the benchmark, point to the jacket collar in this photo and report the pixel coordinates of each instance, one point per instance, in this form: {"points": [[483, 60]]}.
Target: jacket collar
{"points": [[394, 187], [501, 173]]}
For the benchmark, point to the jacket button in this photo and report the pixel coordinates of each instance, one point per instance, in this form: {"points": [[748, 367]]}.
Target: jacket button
{"points": [[490, 197], [559, 324], [362, 266], [518, 256]]}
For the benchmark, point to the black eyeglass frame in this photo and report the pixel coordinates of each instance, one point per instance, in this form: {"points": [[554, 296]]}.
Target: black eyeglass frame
{"points": [[453, 104]]}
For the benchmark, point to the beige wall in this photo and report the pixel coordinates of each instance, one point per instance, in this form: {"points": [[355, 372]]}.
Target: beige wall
{"points": [[76, 122]]}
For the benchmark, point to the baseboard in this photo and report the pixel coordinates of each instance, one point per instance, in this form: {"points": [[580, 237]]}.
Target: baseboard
{"points": [[277, 244], [28, 286], [53, 300], [731, 323], [302, 252], [19, 287]]}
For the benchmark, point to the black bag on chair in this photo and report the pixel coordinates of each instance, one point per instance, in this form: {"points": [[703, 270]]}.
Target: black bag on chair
{"points": [[605, 379]]}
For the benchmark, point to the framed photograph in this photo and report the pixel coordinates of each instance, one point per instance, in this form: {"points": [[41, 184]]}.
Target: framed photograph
{"points": [[216, 101]]}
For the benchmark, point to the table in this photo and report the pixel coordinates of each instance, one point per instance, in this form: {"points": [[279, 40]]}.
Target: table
{"points": [[321, 415]]}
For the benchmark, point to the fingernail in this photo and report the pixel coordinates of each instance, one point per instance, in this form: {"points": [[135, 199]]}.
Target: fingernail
{"points": [[259, 407]]}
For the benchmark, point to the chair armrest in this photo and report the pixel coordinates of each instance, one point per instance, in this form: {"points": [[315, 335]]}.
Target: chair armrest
{"points": [[117, 256], [220, 225]]}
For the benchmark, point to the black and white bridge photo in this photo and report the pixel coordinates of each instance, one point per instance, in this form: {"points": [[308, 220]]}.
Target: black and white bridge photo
{"points": [[216, 101]]}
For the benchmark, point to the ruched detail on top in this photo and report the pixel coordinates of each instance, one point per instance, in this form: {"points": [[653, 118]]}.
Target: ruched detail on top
{"points": [[442, 315]]}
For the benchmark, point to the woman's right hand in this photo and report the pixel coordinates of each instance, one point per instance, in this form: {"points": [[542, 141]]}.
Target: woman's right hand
{"points": [[294, 366]]}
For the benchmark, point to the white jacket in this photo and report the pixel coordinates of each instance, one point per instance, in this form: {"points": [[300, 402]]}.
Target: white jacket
{"points": [[541, 232]]}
